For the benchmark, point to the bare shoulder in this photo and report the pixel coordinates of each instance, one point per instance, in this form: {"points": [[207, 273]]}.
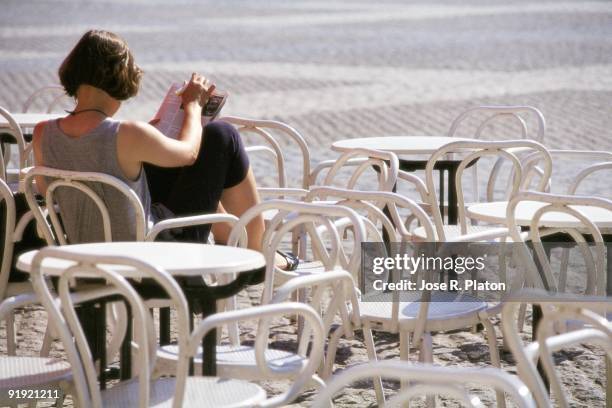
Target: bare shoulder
{"points": [[134, 140], [134, 128], [37, 136], [38, 129], [134, 131]]}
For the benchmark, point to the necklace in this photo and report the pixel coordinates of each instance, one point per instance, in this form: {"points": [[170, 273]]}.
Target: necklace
{"points": [[72, 113]]}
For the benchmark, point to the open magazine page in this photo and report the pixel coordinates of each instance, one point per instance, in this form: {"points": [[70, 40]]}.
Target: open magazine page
{"points": [[171, 115]]}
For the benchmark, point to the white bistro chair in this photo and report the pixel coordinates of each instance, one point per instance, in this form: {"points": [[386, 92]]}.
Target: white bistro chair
{"points": [[577, 227], [90, 183], [416, 314], [50, 98], [351, 167], [21, 375], [594, 164], [362, 169], [571, 168], [11, 175], [276, 137], [12, 232], [477, 121], [259, 362], [494, 114], [467, 152], [316, 222], [558, 308], [48, 216], [141, 391], [559, 214], [428, 380]]}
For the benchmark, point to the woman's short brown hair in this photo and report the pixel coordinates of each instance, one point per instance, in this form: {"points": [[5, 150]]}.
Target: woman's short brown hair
{"points": [[101, 59]]}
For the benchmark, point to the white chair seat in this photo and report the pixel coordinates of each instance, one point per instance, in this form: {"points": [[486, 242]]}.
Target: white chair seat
{"points": [[305, 268], [199, 392], [453, 231], [17, 372], [269, 214], [309, 267], [445, 311], [240, 362]]}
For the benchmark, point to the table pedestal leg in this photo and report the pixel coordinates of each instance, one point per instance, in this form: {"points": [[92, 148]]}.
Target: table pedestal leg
{"points": [[164, 326], [126, 347], [442, 194], [452, 212], [453, 216], [609, 269], [100, 317], [209, 341], [537, 318], [207, 297]]}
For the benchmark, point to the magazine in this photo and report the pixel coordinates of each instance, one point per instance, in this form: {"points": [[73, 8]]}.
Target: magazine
{"points": [[170, 113]]}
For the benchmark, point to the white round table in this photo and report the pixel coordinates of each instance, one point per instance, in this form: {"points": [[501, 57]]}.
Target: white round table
{"points": [[176, 258], [180, 260], [413, 153], [400, 145], [495, 213], [29, 120], [26, 122]]}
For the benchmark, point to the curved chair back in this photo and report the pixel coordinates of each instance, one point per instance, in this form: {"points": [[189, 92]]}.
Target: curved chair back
{"points": [[495, 113], [93, 186], [557, 309], [379, 208], [572, 219], [316, 221], [276, 136], [429, 379], [400, 211], [313, 335], [7, 217], [61, 309], [492, 115], [340, 287], [358, 161], [470, 152], [14, 130], [567, 163], [50, 96], [589, 172]]}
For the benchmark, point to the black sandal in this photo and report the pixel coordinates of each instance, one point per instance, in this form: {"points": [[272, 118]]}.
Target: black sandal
{"points": [[291, 260]]}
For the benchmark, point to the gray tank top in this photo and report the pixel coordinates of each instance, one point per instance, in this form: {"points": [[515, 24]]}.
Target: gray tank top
{"points": [[94, 151]]}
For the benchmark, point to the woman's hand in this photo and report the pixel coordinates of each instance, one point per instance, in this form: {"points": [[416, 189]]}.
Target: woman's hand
{"points": [[210, 88], [197, 91], [139, 142]]}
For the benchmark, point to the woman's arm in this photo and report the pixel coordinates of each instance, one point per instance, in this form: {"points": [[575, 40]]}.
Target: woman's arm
{"points": [[140, 142]]}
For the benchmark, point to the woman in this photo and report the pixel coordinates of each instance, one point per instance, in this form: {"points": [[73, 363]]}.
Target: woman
{"points": [[203, 171]]}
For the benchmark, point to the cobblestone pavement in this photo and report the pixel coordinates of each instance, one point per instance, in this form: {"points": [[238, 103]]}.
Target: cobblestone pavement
{"points": [[345, 68], [339, 69]]}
